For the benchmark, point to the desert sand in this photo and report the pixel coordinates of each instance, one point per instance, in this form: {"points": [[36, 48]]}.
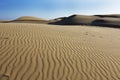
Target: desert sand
{"points": [[52, 52]]}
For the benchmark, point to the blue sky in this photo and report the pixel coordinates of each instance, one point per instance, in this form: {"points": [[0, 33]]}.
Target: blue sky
{"points": [[48, 9]]}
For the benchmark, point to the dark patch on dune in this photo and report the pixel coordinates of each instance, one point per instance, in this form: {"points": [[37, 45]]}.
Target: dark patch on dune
{"points": [[112, 15], [106, 23], [98, 22]]}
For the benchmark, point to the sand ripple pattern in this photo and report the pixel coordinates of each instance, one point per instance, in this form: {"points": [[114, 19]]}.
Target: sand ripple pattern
{"points": [[47, 52]]}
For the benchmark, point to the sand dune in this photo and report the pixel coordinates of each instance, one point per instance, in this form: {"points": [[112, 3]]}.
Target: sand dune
{"points": [[98, 20], [29, 19], [76, 20], [50, 52]]}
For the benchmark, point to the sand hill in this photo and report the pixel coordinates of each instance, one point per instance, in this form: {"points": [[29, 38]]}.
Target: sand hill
{"points": [[76, 20], [29, 19], [51, 52], [98, 20]]}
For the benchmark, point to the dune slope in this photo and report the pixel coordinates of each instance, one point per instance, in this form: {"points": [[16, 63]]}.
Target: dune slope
{"points": [[50, 52]]}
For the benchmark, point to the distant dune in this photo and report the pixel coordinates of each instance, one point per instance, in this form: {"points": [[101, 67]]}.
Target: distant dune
{"points": [[56, 52], [77, 20], [29, 19], [97, 20]]}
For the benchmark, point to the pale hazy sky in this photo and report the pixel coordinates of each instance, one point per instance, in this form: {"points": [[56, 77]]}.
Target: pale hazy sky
{"points": [[11, 9]]}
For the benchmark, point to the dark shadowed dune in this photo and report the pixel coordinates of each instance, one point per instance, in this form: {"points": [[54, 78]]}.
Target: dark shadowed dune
{"points": [[90, 20], [76, 20]]}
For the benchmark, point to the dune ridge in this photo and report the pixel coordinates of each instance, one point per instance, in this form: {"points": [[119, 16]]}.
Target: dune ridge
{"points": [[50, 52]]}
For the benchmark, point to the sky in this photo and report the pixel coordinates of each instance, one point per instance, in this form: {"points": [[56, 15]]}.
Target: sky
{"points": [[49, 9]]}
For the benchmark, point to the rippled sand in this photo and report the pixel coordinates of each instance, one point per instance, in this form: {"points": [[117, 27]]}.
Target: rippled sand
{"points": [[50, 52]]}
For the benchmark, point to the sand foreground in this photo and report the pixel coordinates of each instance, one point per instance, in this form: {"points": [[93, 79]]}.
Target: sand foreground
{"points": [[50, 52]]}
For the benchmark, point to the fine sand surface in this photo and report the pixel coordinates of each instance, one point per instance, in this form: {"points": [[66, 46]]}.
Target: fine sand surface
{"points": [[51, 52]]}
